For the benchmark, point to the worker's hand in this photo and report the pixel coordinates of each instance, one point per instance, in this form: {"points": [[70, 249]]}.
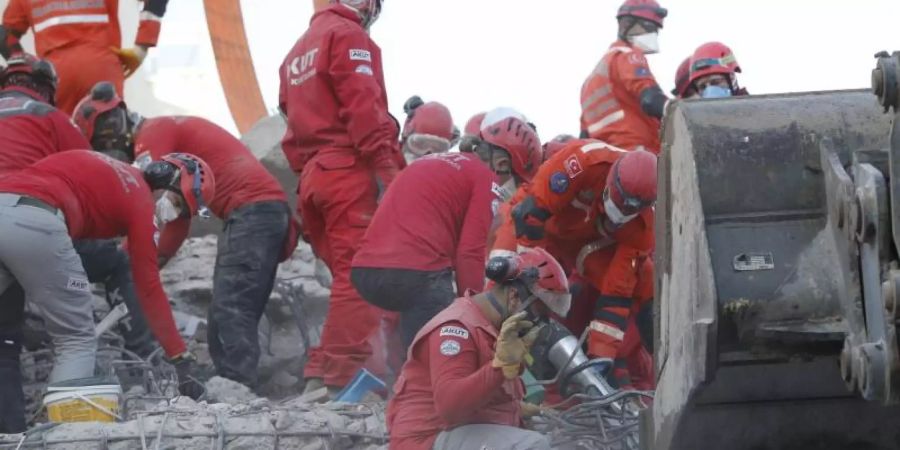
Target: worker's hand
{"points": [[383, 177], [187, 384], [530, 409], [511, 347], [131, 58]]}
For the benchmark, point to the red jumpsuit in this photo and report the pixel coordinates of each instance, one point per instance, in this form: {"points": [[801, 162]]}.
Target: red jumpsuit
{"points": [[32, 131], [570, 186], [342, 142], [448, 380], [240, 178], [610, 100], [77, 36], [103, 198], [435, 217]]}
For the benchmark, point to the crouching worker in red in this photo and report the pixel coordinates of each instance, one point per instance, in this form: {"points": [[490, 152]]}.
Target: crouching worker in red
{"points": [[433, 221], [460, 387], [258, 229], [82, 194]]}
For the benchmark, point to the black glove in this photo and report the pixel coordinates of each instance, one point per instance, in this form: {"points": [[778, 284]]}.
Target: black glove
{"points": [[187, 384]]}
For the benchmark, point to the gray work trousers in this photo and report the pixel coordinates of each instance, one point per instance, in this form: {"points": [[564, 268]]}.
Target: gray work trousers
{"points": [[490, 437], [36, 251]]}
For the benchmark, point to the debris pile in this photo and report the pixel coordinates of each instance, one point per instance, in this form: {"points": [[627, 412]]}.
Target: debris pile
{"points": [[256, 424]]}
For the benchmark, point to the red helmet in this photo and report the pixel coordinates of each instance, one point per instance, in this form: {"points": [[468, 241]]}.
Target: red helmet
{"points": [[187, 175], [517, 138], [542, 275], [368, 10], [102, 98], [431, 118], [643, 9], [556, 144], [713, 58], [473, 126], [41, 71], [631, 183], [682, 78]]}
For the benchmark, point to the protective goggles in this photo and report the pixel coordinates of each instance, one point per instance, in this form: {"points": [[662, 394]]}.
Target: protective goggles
{"points": [[423, 144], [704, 63], [629, 204]]}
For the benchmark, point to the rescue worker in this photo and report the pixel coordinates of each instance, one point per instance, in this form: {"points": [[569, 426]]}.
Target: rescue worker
{"points": [[248, 199], [81, 194], [460, 388], [556, 144], [621, 103], [714, 71], [683, 87], [30, 130], [591, 206], [343, 144], [428, 129], [82, 39], [432, 224], [469, 139]]}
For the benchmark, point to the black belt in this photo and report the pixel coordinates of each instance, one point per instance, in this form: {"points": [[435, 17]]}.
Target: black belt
{"points": [[29, 201]]}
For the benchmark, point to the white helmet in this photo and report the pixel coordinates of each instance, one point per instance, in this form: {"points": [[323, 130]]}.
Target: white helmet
{"points": [[368, 10]]}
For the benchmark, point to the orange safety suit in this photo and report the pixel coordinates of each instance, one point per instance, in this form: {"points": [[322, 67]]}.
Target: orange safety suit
{"points": [[569, 189], [78, 37], [610, 100]]}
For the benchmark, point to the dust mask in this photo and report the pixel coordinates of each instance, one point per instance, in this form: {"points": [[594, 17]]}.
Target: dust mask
{"points": [[647, 42], [714, 91], [508, 189], [614, 214], [165, 210]]}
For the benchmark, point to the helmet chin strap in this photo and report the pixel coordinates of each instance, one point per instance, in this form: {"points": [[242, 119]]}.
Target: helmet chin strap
{"points": [[501, 309]]}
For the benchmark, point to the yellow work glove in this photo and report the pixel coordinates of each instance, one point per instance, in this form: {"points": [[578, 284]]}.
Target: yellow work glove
{"points": [[530, 409], [512, 349], [131, 58]]}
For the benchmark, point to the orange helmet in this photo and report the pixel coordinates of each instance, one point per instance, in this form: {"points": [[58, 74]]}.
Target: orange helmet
{"points": [[517, 138], [187, 175], [541, 274], [556, 144], [682, 78], [643, 9], [713, 58]]}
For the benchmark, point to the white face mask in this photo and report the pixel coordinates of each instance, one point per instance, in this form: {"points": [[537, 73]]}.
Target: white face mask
{"points": [[614, 214], [509, 188], [647, 42], [166, 210]]}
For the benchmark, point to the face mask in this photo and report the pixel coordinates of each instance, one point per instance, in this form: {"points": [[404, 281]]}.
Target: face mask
{"points": [[714, 91], [648, 42], [614, 214], [166, 210], [509, 188]]}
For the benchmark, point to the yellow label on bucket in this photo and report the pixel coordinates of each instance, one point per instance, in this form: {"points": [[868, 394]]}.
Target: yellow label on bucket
{"points": [[78, 410]]}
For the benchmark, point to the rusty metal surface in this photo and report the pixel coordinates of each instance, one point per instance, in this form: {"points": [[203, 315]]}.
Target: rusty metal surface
{"points": [[749, 301]]}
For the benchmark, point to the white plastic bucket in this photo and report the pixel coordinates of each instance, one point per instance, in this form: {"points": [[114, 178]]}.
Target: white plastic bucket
{"points": [[98, 403]]}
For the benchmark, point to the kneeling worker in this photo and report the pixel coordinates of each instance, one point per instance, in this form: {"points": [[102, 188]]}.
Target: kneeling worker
{"points": [[460, 387]]}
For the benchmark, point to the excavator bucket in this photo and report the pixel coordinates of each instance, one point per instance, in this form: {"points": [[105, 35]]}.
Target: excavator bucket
{"points": [[752, 282]]}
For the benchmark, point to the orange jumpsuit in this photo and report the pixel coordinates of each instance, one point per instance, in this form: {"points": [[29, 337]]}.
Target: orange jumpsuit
{"points": [[78, 37], [610, 100], [569, 186]]}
